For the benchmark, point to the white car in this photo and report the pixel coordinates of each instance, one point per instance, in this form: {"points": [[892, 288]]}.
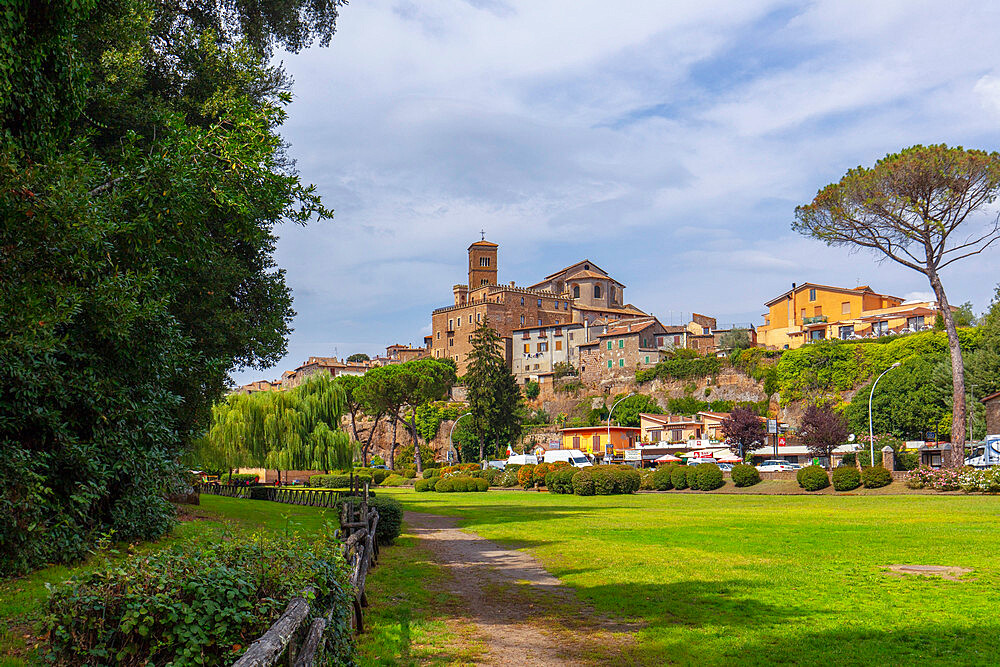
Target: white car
{"points": [[776, 465]]}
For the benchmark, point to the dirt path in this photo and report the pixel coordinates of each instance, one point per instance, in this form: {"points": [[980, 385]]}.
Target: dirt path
{"points": [[526, 616]]}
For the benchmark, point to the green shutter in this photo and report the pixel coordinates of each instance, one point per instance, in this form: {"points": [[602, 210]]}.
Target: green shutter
{"points": [[609, 361], [621, 342], [647, 361], [609, 344], [621, 363]]}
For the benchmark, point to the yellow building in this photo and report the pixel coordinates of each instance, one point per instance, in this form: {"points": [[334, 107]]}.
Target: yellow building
{"points": [[594, 439], [810, 312]]}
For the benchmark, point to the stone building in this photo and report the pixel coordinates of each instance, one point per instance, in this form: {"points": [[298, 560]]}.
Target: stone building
{"points": [[316, 365], [623, 348], [537, 349]]}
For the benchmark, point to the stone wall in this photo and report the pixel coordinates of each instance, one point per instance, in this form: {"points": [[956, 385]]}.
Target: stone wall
{"points": [[993, 416]]}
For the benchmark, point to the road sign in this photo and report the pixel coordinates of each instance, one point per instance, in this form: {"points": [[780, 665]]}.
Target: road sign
{"points": [[772, 426], [781, 441]]}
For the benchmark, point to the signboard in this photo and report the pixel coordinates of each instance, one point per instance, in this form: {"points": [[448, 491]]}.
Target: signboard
{"points": [[772, 426], [781, 441], [633, 455]]}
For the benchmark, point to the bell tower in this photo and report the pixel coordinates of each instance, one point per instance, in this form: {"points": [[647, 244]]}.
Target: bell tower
{"points": [[482, 263]]}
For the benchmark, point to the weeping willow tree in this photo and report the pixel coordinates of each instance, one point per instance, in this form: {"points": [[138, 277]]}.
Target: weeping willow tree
{"points": [[280, 430]]}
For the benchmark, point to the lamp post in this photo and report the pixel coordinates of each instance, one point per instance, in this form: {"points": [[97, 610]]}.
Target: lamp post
{"points": [[450, 443], [871, 428], [612, 410]]}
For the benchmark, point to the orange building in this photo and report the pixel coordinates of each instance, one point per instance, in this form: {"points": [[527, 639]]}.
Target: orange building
{"points": [[594, 439]]}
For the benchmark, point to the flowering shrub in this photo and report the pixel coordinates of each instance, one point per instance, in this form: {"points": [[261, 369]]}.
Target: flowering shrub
{"points": [[939, 479], [983, 481]]}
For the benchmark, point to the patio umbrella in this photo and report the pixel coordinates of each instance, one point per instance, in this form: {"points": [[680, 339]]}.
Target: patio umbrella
{"points": [[728, 458], [666, 458]]}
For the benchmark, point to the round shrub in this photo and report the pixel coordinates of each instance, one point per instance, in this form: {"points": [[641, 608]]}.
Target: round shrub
{"points": [[583, 483], [380, 475], [646, 479], [813, 478], [480, 484], [846, 478], [627, 478], [393, 480], [679, 477], [744, 475], [876, 477], [409, 472], [560, 480], [798, 475], [509, 477], [661, 478], [336, 481], [707, 477], [444, 484], [431, 472], [539, 472], [422, 485], [604, 480], [526, 476]]}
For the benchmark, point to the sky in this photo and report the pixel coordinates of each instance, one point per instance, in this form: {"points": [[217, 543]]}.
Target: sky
{"points": [[668, 142]]}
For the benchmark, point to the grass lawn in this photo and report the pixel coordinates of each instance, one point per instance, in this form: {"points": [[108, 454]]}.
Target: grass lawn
{"points": [[749, 579], [406, 621]]}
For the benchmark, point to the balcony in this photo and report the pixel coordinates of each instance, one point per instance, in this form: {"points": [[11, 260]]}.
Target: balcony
{"points": [[815, 319]]}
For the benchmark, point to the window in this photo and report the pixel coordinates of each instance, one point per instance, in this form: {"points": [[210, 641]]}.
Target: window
{"points": [[706, 331], [677, 340], [609, 344], [558, 330], [611, 293], [597, 291], [539, 321], [459, 320], [677, 435], [451, 324], [543, 347], [483, 282], [439, 338], [817, 334], [846, 332], [845, 309], [479, 318], [880, 328], [659, 341], [576, 291], [565, 305], [559, 347], [522, 303], [812, 295], [621, 363], [803, 314], [647, 361], [610, 363], [915, 322], [586, 267], [571, 335], [527, 350], [767, 323], [484, 261], [621, 343], [596, 442], [818, 310], [540, 305], [576, 442], [522, 324], [451, 342]]}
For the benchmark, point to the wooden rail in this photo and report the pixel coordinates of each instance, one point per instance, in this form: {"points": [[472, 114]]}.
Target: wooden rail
{"points": [[228, 490], [358, 522]]}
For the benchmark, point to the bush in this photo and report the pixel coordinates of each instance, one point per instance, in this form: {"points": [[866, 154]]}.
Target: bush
{"points": [[492, 476], [164, 607], [846, 478], [604, 480], [679, 477], [442, 484], [243, 479], [431, 472], [532, 389], [707, 477], [422, 485], [539, 472], [798, 475], [583, 482], [661, 478], [813, 478], [394, 480], [876, 477], [560, 480], [481, 485], [409, 472], [380, 475], [390, 516], [509, 477], [745, 475], [526, 476]]}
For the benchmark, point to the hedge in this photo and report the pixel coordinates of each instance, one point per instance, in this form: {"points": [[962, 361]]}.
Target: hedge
{"points": [[394, 480], [539, 472], [526, 476], [390, 516], [431, 472], [560, 480], [661, 478], [422, 485], [813, 478], [846, 478], [679, 477], [186, 603], [876, 477], [339, 481], [243, 479], [745, 475], [706, 477], [583, 482]]}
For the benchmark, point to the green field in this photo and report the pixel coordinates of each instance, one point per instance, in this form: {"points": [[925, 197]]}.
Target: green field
{"points": [[718, 579]]}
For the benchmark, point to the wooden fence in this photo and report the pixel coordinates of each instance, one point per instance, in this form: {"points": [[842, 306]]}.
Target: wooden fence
{"points": [[280, 494], [289, 636], [228, 490]]}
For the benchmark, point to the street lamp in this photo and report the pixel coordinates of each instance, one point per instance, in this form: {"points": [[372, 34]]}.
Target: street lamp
{"points": [[871, 428], [450, 443], [631, 394]]}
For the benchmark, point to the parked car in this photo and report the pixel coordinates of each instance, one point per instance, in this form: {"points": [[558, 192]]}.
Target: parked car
{"points": [[777, 465], [694, 462], [574, 457], [379, 467], [725, 466]]}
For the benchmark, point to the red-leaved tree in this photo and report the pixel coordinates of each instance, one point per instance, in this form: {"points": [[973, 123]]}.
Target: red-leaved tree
{"points": [[744, 431], [823, 430]]}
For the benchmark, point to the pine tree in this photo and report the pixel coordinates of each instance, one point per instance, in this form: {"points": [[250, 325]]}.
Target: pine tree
{"points": [[493, 395]]}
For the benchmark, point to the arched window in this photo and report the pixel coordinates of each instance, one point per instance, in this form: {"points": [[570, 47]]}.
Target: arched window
{"points": [[576, 291], [597, 291]]}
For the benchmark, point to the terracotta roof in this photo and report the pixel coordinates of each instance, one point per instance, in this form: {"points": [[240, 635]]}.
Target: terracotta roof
{"points": [[600, 428], [846, 290], [579, 275], [628, 309], [627, 327], [567, 268], [486, 244], [665, 419]]}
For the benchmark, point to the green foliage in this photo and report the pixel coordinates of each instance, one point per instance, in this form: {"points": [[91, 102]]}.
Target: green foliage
{"points": [[560, 480], [846, 478], [358, 357], [983, 367], [390, 516], [681, 366], [612, 480], [510, 474], [239, 478], [404, 458], [812, 478], [422, 485], [191, 605], [628, 410], [431, 472], [457, 483], [744, 475], [735, 339], [689, 405], [532, 389], [430, 416], [337, 481], [875, 477], [568, 387], [561, 369], [583, 482], [394, 480], [538, 417], [526, 476], [909, 401], [705, 477], [662, 478], [679, 477], [493, 395]]}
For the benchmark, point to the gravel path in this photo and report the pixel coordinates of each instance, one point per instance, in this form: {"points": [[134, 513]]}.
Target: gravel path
{"points": [[525, 615]]}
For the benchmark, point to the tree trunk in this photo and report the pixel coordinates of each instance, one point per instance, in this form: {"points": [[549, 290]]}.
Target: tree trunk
{"points": [[958, 412], [416, 445], [366, 448], [392, 446], [354, 429]]}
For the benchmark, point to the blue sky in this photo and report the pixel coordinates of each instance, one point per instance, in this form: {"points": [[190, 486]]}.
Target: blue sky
{"points": [[669, 142]]}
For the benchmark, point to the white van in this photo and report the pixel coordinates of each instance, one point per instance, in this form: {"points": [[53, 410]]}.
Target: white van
{"points": [[522, 459], [574, 457]]}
